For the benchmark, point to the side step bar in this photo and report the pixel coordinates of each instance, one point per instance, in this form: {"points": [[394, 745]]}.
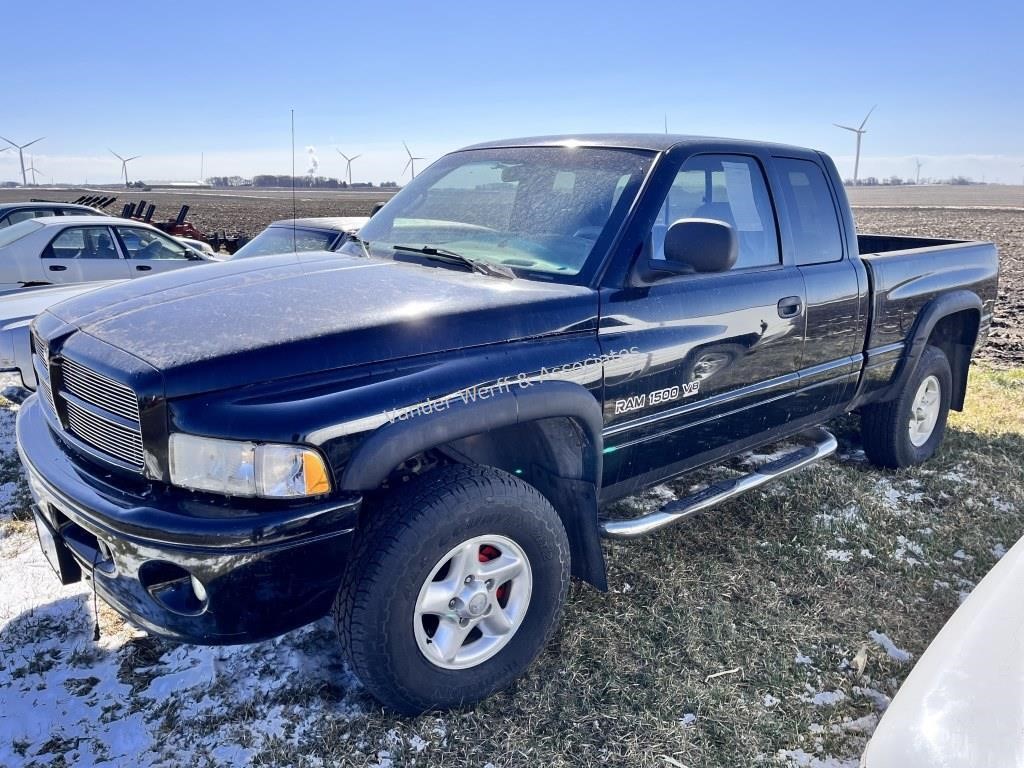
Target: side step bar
{"points": [[680, 509]]}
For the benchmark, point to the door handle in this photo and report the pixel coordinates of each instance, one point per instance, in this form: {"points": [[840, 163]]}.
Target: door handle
{"points": [[58, 268], [791, 306], [143, 267]]}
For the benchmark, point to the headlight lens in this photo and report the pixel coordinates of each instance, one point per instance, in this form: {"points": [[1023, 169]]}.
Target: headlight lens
{"points": [[238, 468]]}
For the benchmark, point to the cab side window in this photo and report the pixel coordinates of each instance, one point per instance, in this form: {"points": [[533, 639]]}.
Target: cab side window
{"points": [[728, 188], [82, 243], [812, 214]]}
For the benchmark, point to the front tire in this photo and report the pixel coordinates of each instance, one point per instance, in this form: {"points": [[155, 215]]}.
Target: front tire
{"points": [[909, 428], [454, 587]]}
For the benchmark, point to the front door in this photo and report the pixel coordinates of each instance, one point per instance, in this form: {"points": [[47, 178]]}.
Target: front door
{"points": [[83, 254], [702, 362], [150, 252]]}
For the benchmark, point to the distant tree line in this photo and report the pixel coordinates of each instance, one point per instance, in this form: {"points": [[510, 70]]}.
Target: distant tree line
{"points": [[895, 181], [284, 180]]}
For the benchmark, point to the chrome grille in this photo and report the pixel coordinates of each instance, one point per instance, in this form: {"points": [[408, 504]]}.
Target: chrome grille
{"points": [[40, 347], [41, 361], [99, 390], [101, 413], [113, 439]]}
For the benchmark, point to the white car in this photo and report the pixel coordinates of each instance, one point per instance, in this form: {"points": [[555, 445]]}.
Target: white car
{"points": [[17, 311], [60, 250], [962, 706]]}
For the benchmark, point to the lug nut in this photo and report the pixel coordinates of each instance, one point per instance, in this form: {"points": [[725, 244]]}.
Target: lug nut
{"points": [[463, 622], [489, 583], [469, 579], [451, 603]]}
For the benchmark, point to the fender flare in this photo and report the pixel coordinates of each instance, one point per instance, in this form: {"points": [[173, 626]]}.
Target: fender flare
{"points": [[390, 445], [577, 502], [929, 316]]}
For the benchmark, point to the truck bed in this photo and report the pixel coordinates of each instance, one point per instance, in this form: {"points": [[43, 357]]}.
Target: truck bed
{"points": [[906, 274]]}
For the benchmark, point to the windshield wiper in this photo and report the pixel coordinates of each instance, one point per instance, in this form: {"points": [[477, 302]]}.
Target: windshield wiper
{"points": [[451, 257]]}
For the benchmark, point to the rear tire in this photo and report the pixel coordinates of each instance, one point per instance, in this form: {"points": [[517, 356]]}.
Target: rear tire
{"points": [[909, 428], [417, 583]]}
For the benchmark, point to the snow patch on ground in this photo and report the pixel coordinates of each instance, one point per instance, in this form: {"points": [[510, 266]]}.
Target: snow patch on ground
{"points": [[881, 700], [802, 759], [895, 498], [824, 698], [882, 640], [839, 555], [905, 545]]}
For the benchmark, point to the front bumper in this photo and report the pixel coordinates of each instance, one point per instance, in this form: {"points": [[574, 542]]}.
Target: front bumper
{"points": [[262, 571]]}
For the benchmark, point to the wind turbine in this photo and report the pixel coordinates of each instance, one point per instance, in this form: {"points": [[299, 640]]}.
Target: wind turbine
{"points": [[348, 165], [33, 169], [124, 163], [918, 163], [411, 165], [21, 155], [860, 132]]}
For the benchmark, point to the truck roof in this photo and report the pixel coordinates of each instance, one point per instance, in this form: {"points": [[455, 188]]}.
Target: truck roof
{"points": [[656, 142]]}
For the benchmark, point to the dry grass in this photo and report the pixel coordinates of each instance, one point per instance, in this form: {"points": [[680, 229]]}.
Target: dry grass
{"points": [[783, 586]]}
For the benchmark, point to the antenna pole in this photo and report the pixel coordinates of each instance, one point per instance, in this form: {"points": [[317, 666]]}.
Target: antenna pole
{"points": [[294, 247]]}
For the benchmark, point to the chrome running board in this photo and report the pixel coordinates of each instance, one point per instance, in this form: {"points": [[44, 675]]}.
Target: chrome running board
{"points": [[716, 493]]}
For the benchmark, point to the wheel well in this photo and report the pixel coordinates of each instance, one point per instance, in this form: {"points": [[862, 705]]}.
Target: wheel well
{"points": [[956, 335], [554, 455]]}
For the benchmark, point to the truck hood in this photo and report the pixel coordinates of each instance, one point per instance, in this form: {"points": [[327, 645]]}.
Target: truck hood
{"points": [[235, 323]]}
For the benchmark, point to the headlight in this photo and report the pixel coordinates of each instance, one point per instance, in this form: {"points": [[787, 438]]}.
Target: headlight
{"points": [[238, 468]]}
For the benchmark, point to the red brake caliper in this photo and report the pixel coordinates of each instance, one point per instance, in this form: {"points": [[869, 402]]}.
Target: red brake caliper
{"points": [[486, 554]]}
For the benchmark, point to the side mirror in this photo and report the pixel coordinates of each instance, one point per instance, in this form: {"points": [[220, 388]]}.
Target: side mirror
{"points": [[703, 245], [376, 207]]}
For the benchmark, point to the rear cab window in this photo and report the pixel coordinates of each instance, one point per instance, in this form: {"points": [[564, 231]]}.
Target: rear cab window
{"points": [[813, 219]]}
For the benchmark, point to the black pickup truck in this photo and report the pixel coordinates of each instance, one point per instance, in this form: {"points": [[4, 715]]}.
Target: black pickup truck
{"points": [[420, 431]]}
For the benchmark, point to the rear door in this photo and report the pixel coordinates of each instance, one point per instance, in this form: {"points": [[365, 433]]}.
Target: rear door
{"points": [[702, 363], [150, 252], [81, 254], [834, 280]]}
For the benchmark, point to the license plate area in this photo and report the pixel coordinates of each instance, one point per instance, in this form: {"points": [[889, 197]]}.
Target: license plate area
{"points": [[56, 551]]}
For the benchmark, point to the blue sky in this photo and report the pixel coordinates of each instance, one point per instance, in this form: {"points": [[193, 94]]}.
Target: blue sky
{"points": [[169, 81]]}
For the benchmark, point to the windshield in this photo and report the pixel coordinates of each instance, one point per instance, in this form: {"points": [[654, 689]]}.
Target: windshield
{"points": [[280, 240], [543, 211], [17, 231]]}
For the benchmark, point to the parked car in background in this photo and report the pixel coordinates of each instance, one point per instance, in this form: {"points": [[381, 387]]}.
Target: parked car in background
{"points": [[292, 235], [17, 311], [79, 249], [12, 213]]}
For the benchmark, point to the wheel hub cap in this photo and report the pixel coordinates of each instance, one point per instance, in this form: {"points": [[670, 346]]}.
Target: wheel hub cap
{"points": [[472, 602], [924, 412]]}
